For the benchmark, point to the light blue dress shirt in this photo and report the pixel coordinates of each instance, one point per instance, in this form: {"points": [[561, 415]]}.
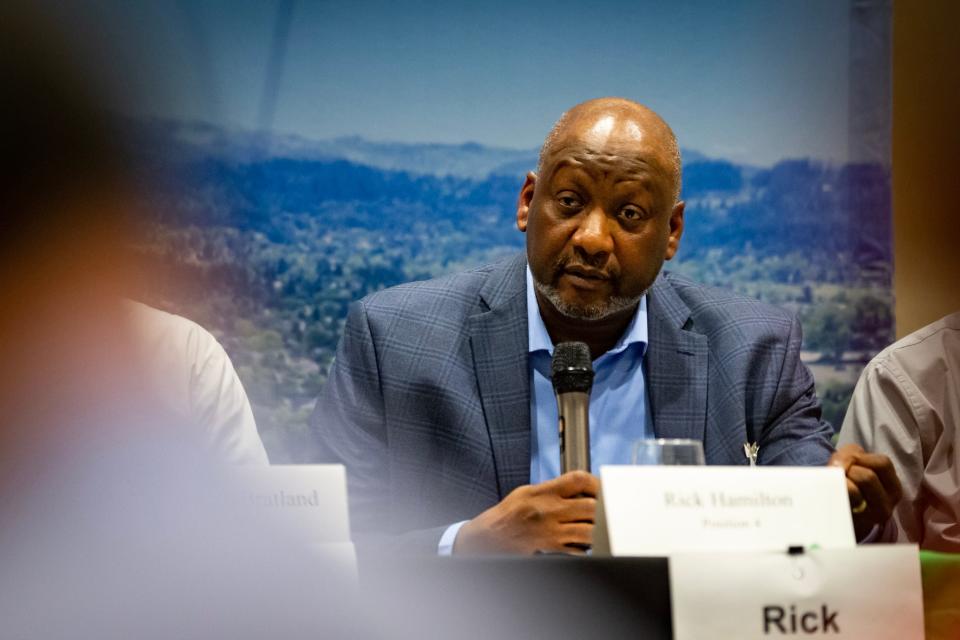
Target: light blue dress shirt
{"points": [[619, 408], [619, 404]]}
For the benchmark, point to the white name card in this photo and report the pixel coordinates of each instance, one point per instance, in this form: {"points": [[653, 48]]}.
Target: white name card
{"points": [[661, 510], [867, 592], [308, 505], [310, 499]]}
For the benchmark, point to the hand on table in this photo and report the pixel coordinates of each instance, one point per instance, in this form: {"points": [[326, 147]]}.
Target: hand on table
{"points": [[556, 515], [872, 485]]}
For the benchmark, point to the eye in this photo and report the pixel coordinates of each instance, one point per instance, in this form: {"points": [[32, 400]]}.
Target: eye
{"points": [[569, 200], [631, 213]]}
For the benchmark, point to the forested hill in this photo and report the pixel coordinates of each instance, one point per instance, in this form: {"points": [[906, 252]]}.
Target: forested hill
{"points": [[267, 240], [794, 205]]}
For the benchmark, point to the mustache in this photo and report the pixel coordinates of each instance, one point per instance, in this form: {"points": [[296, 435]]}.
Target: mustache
{"points": [[610, 271]]}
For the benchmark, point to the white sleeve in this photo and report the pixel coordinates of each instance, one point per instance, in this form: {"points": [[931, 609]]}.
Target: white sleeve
{"points": [[219, 404]]}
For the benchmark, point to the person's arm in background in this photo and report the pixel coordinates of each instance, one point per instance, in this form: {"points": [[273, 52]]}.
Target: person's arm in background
{"points": [[798, 435], [882, 418]]}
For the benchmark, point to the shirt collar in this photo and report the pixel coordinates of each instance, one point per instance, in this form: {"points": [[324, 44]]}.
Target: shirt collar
{"points": [[538, 339]]}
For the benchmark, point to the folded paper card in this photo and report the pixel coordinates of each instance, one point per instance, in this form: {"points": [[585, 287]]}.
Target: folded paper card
{"points": [[660, 510], [308, 506], [865, 592]]}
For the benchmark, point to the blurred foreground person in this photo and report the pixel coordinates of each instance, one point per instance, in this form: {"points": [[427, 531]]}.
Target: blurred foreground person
{"points": [[193, 377], [907, 405], [117, 516]]}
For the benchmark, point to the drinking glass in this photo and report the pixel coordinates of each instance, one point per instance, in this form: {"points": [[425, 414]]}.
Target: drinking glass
{"points": [[668, 451]]}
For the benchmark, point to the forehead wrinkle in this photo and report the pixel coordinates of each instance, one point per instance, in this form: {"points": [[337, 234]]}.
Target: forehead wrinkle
{"points": [[599, 164], [644, 181], [637, 168], [570, 162]]}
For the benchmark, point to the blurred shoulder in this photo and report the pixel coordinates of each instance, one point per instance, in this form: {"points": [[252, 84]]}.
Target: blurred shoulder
{"points": [[162, 332]]}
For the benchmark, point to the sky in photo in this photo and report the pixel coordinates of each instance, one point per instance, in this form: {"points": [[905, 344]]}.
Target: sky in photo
{"points": [[752, 81]]}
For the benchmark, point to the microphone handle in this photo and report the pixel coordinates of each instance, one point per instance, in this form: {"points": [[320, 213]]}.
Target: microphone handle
{"points": [[574, 422]]}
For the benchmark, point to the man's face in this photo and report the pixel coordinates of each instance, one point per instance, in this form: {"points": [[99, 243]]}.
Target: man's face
{"points": [[600, 221]]}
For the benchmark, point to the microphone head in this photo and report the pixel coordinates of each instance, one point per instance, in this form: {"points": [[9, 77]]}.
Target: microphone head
{"points": [[571, 368]]}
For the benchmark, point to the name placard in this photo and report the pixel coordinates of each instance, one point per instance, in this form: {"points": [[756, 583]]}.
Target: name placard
{"points": [[309, 499], [308, 506], [866, 592], [661, 510]]}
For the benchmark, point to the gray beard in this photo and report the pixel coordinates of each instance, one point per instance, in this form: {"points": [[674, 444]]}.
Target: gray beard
{"points": [[591, 312]]}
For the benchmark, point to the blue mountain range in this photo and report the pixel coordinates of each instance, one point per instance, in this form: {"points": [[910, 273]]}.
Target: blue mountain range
{"points": [[247, 179]]}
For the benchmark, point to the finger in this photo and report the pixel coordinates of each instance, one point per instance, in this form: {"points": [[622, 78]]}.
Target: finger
{"points": [[845, 456], [883, 467], [853, 493], [577, 533], [572, 483], [578, 510], [879, 506], [558, 540], [853, 455], [891, 482], [871, 460]]}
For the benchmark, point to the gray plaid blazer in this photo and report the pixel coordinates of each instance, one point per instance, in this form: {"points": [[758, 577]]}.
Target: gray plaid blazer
{"points": [[428, 402]]}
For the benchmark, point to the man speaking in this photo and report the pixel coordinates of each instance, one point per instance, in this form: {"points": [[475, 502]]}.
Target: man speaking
{"points": [[440, 402]]}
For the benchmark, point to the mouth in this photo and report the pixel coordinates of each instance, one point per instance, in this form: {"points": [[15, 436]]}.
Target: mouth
{"points": [[586, 273], [586, 278]]}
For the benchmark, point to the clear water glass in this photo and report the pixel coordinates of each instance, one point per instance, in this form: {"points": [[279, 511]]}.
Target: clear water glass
{"points": [[668, 451]]}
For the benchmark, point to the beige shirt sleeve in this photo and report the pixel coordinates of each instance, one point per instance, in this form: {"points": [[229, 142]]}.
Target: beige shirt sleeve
{"points": [[905, 405], [881, 419]]}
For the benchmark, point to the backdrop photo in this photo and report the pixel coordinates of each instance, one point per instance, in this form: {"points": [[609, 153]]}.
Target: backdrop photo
{"points": [[304, 154]]}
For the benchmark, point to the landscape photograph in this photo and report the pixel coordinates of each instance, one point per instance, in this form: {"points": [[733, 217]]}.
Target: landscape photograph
{"points": [[302, 155]]}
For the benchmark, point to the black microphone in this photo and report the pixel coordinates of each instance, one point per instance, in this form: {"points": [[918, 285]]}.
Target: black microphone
{"points": [[572, 374]]}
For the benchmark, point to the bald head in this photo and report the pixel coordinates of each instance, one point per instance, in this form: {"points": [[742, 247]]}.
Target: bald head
{"points": [[625, 122]]}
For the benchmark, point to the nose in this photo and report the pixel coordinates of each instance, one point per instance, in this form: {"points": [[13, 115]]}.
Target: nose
{"points": [[592, 238]]}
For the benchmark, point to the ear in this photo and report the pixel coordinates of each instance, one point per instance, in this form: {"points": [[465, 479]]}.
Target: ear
{"points": [[676, 230], [524, 200]]}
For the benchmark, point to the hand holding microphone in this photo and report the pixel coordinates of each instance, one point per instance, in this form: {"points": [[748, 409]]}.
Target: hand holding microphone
{"points": [[553, 516], [557, 515]]}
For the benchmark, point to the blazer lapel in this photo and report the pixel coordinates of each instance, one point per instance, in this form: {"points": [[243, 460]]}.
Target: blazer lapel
{"points": [[498, 338], [676, 367]]}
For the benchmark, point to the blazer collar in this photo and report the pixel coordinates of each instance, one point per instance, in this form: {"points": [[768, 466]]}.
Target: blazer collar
{"points": [[677, 360], [498, 340], [504, 283]]}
